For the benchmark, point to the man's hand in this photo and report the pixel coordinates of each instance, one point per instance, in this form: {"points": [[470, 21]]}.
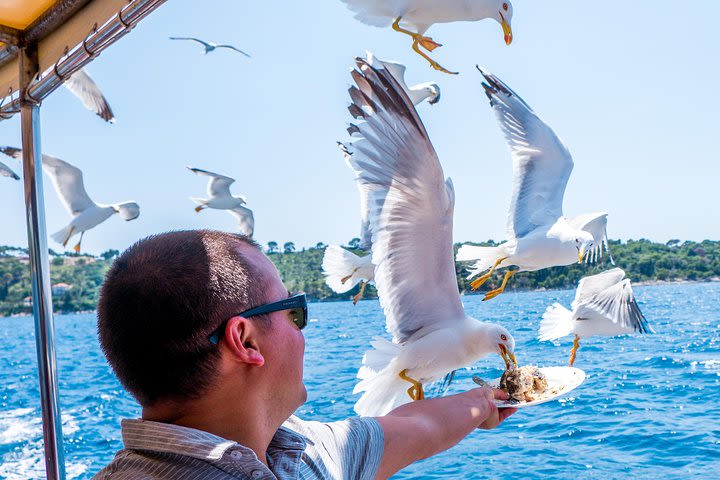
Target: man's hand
{"points": [[423, 428], [495, 416]]}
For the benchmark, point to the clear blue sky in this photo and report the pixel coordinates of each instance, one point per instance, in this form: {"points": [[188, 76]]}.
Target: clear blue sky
{"points": [[631, 87]]}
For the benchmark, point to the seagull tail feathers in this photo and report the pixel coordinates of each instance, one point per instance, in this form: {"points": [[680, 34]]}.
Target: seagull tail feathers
{"points": [[62, 236], [383, 390], [484, 257], [338, 265], [556, 322]]}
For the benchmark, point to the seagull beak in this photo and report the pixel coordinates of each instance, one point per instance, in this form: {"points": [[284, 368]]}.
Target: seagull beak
{"points": [[581, 254], [506, 30], [506, 356]]}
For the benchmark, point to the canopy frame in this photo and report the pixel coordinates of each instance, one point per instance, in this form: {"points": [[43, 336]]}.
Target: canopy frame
{"points": [[21, 49]]}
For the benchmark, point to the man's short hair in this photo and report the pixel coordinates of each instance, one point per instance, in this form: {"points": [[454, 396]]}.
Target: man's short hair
{"points": [[160, 301]]}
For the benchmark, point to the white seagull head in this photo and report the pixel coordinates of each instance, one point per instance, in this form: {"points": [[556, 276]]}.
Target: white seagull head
{"points": [[432, 91], [503, 15], [584, 242], [503, 343]]}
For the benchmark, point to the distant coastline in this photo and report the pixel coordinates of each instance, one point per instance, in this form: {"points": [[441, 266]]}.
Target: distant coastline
{"points": [[76, 279]]}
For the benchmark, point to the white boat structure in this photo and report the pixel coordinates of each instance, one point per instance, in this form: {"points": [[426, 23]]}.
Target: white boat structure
{"points": [[42, 43]]}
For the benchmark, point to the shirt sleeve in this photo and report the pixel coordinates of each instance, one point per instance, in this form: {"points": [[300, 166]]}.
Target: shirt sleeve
{"points": [[355, 446]]}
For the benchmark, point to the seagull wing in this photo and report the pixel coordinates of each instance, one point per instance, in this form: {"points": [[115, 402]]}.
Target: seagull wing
{"points": [[245, 218], [541, 163], [618, 304], [591, 285], [6, 171], [68, 182], [85, 88], [367, 195], [596, 225], [397, 70], [218, 186], [412, 226], [193, 39], [231, 47]]}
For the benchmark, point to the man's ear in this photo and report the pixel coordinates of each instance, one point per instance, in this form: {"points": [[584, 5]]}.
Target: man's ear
{"points": [[241, 338]]}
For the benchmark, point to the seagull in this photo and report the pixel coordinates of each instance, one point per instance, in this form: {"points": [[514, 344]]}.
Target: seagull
{"points": [[538, 235], [210, 46], [85, 88], [218, 191], [412, 249], [604, 305], [68, 182], [419, 15], [342, 268], [6, 171]]}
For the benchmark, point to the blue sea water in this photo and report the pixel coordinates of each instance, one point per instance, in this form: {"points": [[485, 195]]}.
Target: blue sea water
{"points": [[649, 409]]}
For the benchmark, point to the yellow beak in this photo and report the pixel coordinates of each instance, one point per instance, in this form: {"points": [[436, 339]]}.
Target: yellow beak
{"points": [[506, 30], [581, 254], [507, 356]]}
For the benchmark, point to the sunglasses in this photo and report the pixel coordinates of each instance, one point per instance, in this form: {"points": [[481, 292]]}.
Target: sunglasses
{"points": [[297, 304]]}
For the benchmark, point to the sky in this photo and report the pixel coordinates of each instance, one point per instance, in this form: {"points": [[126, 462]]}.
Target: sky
{"points": [[630, 87]]}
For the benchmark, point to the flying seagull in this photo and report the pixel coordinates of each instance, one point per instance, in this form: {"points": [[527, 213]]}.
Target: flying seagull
{"points": [[538, 234], [6, 171], [344, 269], [604, 305], [417, 16], [219, 197], [412, 250], [68, 182], [210, 46], [85, 88]]}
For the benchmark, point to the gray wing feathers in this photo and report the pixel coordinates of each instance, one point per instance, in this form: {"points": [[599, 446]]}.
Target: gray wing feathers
{"points": [[541, 162], [412, 225], [591, 285], [596, 225], [85, 88], [618, 303]]}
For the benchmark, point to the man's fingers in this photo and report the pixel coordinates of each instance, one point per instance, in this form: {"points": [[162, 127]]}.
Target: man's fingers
{"points": [[500, 394], [505, 413]]}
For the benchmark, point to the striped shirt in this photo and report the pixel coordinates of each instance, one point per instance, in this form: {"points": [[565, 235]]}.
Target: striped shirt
{"points": [[350, 449]]}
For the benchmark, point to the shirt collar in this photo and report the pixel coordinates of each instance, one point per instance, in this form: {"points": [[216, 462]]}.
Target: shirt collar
{"points": [[138, 434]]}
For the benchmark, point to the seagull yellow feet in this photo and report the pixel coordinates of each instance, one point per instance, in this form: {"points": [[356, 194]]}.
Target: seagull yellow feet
{"points": [[475, 284], [573, 352], [360, 294], [347, 277], [199, 208], [77, 247], [501, 288], [422, 41], [415, 392]]}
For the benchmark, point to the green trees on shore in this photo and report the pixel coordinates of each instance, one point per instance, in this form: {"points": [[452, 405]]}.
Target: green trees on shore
{"points": [[77, 278]]}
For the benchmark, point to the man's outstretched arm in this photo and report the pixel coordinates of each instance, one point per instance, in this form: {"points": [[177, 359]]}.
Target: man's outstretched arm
{"points": [[423, 428]]}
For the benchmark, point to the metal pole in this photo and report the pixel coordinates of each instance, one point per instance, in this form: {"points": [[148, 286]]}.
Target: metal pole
{"points": [[40, 269]]}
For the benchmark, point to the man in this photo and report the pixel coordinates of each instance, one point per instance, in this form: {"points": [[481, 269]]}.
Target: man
{"points": [[199, 328]]}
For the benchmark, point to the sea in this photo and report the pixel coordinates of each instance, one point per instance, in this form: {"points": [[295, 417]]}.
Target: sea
{"points": [[649, 408]]}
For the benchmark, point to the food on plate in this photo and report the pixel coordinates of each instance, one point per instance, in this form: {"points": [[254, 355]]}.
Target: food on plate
{"points": [[525, 384]]}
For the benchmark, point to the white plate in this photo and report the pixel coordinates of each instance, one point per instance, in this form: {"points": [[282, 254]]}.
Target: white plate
{"points": [[564, 379]]}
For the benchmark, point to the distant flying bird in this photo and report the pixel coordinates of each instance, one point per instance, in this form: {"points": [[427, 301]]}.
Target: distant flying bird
{"points": [[413, 250], [83, 87], [342, 268], [6, 171], [604, 305], [219, 197], [68, 182], [538, 234], [210, 46], [419, 15]]}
